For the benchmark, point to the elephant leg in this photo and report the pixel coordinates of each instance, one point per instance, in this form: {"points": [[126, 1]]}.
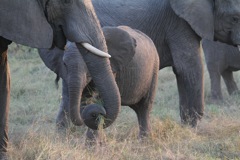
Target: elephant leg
{"points": [[215, 78], [144, 107], [190, 97], [4, 103], [92, 137], [142, 110], [183, 99], [63, 119], [4, 97], [229, 81], [188, 69]]}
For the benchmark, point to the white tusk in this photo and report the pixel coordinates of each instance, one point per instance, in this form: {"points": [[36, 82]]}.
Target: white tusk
{"points": [[239, 47], [96, 51]]}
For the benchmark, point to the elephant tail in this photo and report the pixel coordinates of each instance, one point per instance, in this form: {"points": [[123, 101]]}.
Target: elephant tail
{"points": [[56, 81]]}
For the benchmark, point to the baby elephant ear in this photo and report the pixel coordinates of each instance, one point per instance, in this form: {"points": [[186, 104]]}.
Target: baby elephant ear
{"points": [[121, 46], [198, 13], [24, 22]]}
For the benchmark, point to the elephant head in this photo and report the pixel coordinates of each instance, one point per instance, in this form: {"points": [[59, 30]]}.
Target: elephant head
{"points": [[72, 68], [48, 23], [211, 19]]}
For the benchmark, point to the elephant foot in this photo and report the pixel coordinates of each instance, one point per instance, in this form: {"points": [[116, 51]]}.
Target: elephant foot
{"points": [[193, 122], [143, 138], [214, 100], [191, 117], [93, 138], [3, 156], [92, 135], [63, 120], [236, 92], [143, 134], [62, 124], [89, 143], [61, 130]]}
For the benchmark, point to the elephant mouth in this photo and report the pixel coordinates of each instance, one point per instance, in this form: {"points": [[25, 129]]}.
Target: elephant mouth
{"points": [[223, 36], [227, 36], [238, 47], [59, 39]]}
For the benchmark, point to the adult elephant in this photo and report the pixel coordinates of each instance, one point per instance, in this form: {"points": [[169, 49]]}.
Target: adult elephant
{"points": [[48, 23], [176, 27], [222, 60]]}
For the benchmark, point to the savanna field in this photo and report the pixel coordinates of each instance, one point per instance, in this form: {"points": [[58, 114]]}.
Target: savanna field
{"points": [[34, 106]]}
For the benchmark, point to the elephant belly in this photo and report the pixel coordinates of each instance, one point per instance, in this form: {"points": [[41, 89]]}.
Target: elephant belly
{"points": [[134, 81], [131, 91]]}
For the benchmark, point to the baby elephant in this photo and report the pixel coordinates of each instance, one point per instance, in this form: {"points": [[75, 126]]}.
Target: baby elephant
{"points": [[134, 62], [222, 60]]}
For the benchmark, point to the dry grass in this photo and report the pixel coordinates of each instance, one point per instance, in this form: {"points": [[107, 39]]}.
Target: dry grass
{"points": [[34, 105]]}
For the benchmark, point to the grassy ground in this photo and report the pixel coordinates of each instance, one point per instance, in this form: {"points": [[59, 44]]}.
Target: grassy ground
{"points": [[34, 105]]}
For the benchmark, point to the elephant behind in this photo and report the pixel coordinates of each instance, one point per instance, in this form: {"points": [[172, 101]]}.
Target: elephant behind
{"points": [[134, 62], [222, 60], [176, 28]]}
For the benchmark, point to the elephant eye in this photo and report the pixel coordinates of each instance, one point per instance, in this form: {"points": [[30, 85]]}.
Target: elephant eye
{"points": [[235, 19], [65, 65], [67, 1], [94, 115]]}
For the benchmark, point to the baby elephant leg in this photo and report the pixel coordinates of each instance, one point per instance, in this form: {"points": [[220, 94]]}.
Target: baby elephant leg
{"points": [[63, 119], [229, 81], [143, 109], [216, 92], [92, 137]]}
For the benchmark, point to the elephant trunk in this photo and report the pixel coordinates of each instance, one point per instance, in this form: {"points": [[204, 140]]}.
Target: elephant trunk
{"points": [[76, 80], [100, 70], [104, 81], [88, 30], [75, 94]]}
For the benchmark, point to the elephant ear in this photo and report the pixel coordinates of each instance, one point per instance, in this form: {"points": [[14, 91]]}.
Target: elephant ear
{"points": [[53, 59], [121, 46], [24, 22], [198, 13]]}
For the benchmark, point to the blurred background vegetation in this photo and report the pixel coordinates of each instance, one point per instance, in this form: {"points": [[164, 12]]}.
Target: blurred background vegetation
{"points": [[34, 106]]}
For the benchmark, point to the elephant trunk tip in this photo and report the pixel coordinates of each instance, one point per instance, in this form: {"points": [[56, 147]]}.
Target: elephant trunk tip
{"points": [[76, 122], [94, 116]]}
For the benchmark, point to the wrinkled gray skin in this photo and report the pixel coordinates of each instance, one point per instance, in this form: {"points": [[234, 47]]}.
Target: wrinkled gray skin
{"points": [[176, 28], [135, 64], [45, 24], [222, 60]]}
